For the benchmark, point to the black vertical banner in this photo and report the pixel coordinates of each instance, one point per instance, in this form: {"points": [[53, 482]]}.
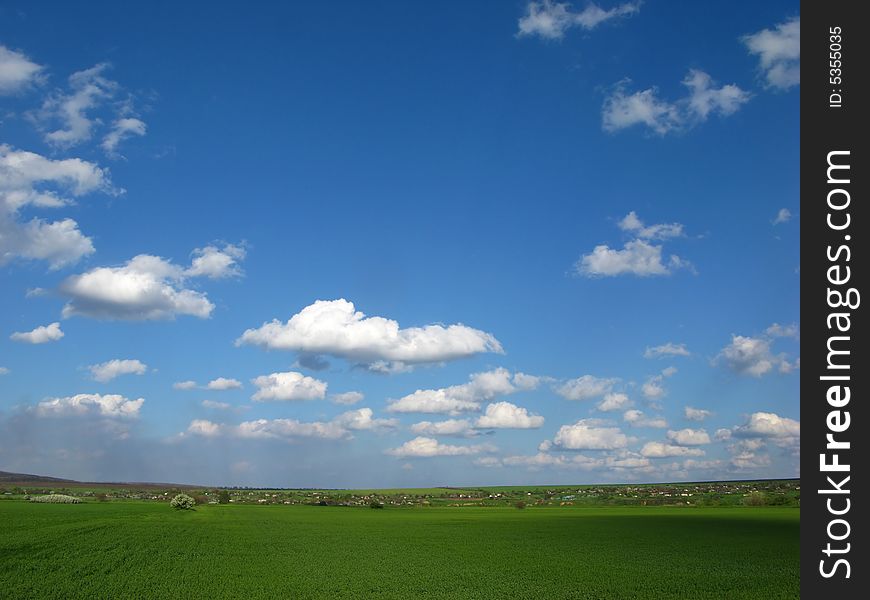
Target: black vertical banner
{"points": [[834, 224]]}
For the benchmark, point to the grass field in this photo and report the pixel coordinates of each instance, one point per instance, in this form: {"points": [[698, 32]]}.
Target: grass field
{"points": [[147, 550]]}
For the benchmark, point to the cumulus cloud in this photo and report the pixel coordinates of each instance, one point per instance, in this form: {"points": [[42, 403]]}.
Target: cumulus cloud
{"points": [[184, 385], [347, 397], [4, 371], [222, 383], [663, 450], [144, 288], [449, 427], [668, 349], [465, 397], [28, 179], [363, 419], [107, 371], [638, 256], [696, 414], [653, 388], [589, 434], [290, 385], [585, 387], [782, 216], [753, 356], [336, 328], [504, 415], [550, 20], [340, 427], [40, 335], [614, 401], [216, 263], [688, 437], [768, 425], [779, 53], [17, 71], [425, 447], [622, 109], [636, 418], [108, 405]]}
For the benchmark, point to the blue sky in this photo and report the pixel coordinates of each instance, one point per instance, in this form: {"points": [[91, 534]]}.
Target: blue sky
{"points": [[541, 242]]}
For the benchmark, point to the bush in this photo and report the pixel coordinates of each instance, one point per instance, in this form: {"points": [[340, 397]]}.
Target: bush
{"points": [[375, 504], [520, 504], [182, 502], [224, 497], [55, 499], [200, 499], [755, 499]]}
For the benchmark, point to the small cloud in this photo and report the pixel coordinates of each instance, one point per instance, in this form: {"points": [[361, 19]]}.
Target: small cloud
{"points": [[347, 397], [425, 447], [17, 72], [214, 405], [636, 418], [779, 53], [668, 349], [585, 387], [550, 20], [222, 383], [41, 335], [783, 216], [107, 371], [184, 385], [696, 414], [290, 385]]}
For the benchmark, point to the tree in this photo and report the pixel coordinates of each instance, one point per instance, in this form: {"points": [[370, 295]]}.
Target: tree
{"points": [[224, 497], [182, 502]]}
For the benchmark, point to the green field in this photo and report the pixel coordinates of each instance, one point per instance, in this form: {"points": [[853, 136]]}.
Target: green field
{"points": [[147, 550]]}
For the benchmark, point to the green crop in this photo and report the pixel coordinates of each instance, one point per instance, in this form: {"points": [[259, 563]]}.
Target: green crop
{"points": [[148, 550]]}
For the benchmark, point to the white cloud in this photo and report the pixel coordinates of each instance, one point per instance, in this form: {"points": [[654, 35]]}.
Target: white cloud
{"points": [[637, 257], [661, 231], [779, 331], [108, 405], [184, 385], [88, 90], [586, 434], [216, 263], [689, 437], [782, 216], [122, 129], [144, 288], [456, 399], [585, 387], [425, 447], [696, 414], [779, 53], [41, 335], [362, 420], [653, 388], [4, 371], [722, 434], [636, 418], [290, 385], [17, 71], [449, 427], [31, 180], [222, 383], [662, 450], [668, 349], [504, 415], [347, 397], [704, 99], [550, 20], [614, 401], [622, 110], [107, 371], [768, 425], [750, 356], [341, 427], [335, 328], [215, 405]]}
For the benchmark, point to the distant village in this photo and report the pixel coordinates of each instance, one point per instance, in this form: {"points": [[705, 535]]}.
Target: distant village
{"points": [[720, 493]]}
